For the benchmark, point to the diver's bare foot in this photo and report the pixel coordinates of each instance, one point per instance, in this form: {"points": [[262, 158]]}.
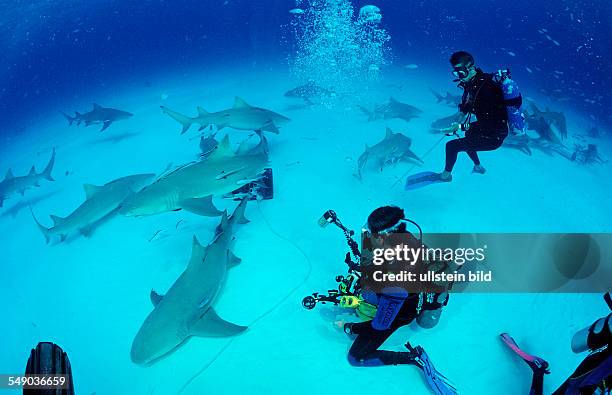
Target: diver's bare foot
{"points": [[479, 169], [446, 176]]}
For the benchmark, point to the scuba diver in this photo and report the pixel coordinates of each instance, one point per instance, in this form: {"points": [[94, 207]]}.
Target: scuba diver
{"points": [[388, 310], [495, 100], [484, 98], [593, 375]]}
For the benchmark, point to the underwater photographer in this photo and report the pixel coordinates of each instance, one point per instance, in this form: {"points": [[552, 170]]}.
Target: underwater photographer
{"points": [[386, 310]]}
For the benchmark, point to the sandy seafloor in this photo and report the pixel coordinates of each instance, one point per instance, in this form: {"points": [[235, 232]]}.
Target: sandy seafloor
{"points": [[91, 295]]}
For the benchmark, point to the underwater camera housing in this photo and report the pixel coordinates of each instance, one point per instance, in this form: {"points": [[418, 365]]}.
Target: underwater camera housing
{"points": [[347, 285]]}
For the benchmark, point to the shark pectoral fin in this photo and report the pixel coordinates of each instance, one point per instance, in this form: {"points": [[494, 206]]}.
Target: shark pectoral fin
{"points": [[211, 325], [201, 206], [232, 259], [105, 125], [155, 298], [270, 127], [90, 190], [86, 230]]}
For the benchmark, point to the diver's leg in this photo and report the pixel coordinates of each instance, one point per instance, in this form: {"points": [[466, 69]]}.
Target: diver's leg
{"points": [[365, 352], [476, 143], [453, 148], [537, 383]]}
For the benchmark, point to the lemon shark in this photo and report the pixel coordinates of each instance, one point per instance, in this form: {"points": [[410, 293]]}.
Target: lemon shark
{"points": [[450, 99], [104, 115], [392, 109], [241, 116], [191, 187], [19, 184], [186, 309], [393, 148], [100, 202]]}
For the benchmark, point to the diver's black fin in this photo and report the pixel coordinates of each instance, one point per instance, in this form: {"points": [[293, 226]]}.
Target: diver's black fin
{"points": [[439, 384], [49, 358]]}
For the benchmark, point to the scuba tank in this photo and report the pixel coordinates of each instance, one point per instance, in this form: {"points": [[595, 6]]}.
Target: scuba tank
{"points": [[513, 100]]}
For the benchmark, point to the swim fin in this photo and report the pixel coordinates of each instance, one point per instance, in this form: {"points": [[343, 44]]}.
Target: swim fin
{"points": [[537, 364], [422, 179], [439, 384]]}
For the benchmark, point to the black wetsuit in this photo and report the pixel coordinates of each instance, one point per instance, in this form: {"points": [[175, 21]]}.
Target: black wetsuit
{"points": [[365, 352], [484, 98]]}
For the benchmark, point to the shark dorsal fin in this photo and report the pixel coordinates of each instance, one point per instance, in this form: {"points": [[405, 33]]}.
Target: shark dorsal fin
{"points": [[57, 220], [388, 133], [392, 100], [202, 111], [32, 171], [9, 175], [224, 223], [240, 103], [96, 106], [238, 214], [197, 252], [367, 147], [155, 298], [90, 190], [223, 149]]}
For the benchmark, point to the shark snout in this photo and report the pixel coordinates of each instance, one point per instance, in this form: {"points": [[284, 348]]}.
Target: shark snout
{"points": [[137, 354]]}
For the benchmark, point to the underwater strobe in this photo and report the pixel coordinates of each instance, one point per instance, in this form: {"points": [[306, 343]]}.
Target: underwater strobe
{"points": [[348, 286]]}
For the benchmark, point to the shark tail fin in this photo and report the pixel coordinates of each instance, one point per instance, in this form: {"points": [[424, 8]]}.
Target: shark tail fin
{"points": [[47, 172], [68, 118], [437, 95], [180, 118], [366, 111], [45, 231]]}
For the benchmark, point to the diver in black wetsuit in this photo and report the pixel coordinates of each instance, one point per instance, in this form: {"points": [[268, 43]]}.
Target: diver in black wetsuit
{"points": [[395, 308], [593, 375], [482, 97]]}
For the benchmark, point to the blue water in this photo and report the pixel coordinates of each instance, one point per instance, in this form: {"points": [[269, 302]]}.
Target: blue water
{"points": [[90, 295]]}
